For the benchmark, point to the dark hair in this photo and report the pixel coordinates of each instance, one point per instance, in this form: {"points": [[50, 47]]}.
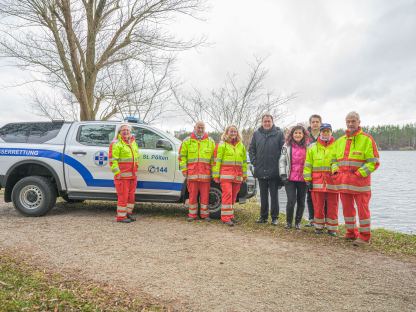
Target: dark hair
{"points": [[303, 142], [266, 115], [315, 116]]}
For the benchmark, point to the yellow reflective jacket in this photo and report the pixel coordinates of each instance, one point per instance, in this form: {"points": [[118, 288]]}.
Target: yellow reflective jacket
{"points": [[196, 158], [230, 162], [317, 169], [124, 158], [356, 158]]}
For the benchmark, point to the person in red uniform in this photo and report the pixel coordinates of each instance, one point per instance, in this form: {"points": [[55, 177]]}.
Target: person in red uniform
{"points": [[356, 158], [124, 161], [230, 171], [196, 157], [318, 176]]}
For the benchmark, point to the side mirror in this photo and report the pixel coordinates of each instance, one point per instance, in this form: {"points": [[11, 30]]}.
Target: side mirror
{"points": [[164, 144]]}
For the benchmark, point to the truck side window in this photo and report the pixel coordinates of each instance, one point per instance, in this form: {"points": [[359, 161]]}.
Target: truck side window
{"points": [[96, 135], [36, 132], [146, 139]]}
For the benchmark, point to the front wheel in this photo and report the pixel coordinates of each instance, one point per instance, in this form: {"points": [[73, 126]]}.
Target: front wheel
{"points": [[215, 195], [34, 196]]}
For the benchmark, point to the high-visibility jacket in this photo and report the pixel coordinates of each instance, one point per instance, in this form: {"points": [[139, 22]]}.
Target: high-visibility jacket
{"points": [[356, 158], [317, 167], [124, 158], [230, 162], [196, 158]]}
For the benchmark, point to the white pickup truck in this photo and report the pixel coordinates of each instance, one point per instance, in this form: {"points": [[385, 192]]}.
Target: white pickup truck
{"points": [[40, 161]]}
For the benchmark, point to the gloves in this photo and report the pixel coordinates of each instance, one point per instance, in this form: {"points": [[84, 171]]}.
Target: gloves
{"points": [[309, 186], [283, 177]]}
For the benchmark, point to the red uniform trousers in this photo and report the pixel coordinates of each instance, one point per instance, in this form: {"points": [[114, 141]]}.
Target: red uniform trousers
{"points": [[201, 188], [126, 190], [331, 199], [362, 201], [229, 196]]}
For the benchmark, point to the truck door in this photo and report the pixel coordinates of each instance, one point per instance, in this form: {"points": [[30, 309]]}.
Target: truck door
{"points": [[86, 163], [157, 165]]}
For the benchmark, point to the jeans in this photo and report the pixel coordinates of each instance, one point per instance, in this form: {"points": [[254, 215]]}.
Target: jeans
{"points": [[266, 186], [296, 193]]}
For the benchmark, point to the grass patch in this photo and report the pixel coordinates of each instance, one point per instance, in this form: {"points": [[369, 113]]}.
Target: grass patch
{"points": [[383, 241], [24, 288]]}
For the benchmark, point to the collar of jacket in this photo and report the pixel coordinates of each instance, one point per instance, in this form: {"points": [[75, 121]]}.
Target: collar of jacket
{"points": [[355, 133], [272, 131], [326, 143], [193, 136], [132, 139]]}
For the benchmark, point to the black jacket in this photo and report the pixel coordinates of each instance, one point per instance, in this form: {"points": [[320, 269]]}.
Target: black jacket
{"points": [[264, 151]]}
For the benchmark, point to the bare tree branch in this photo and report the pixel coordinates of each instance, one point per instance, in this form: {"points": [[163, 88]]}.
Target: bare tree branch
{"points": [[78, 45], [236, 104]]}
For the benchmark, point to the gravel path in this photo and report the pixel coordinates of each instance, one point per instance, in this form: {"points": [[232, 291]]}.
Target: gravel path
{"points": [[209, 267]]}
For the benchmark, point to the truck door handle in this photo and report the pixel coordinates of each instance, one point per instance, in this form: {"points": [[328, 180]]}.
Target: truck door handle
{"points": [[79, 153]]}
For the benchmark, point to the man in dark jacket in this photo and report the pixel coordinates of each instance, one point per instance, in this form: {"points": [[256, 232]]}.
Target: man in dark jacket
{"points": [[265, 148]]}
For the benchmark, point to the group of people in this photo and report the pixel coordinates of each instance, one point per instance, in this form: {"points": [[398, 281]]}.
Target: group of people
{"points": [[310, 164]]}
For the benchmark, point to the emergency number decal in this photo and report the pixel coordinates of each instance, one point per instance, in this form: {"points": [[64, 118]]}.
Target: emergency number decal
{"points": [[155, 169]]}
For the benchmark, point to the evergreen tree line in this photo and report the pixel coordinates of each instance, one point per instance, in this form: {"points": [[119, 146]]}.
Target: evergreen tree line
{"points": [[387, 137], [390, 137]]}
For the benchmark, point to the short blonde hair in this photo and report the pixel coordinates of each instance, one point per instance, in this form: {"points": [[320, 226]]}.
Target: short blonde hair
{"points": [[225, 136], [121, 127]]}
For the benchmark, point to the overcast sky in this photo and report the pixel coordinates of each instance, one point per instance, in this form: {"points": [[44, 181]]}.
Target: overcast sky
{"points": [[337, 56]]}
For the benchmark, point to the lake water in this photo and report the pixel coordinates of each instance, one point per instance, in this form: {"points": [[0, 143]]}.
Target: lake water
{"points": [[393, 201]]}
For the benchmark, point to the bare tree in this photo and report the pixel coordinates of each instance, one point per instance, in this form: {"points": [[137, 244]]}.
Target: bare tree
{"points": [[77, 45], [232, 104], [60, 105]]}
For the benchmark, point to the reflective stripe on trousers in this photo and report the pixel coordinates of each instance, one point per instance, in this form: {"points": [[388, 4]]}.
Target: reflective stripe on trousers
{"points": [[201, 188], [126, 190], [229, 195], [362, 201]]}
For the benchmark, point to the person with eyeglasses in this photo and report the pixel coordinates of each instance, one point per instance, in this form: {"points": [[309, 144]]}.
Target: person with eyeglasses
{"points": [[124, 163]]}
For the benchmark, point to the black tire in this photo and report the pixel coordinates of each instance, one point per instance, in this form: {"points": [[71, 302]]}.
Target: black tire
{"points": [[215, 195], [34, 196], [72, 201]]}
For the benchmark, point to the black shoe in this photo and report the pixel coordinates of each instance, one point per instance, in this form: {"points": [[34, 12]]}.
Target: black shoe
{"points": [[189, 219], [229, 223], [274, 222], [207, 219], [297, 226], [124, 221], [235, 221], [288, 226], [129, 216], [261, 220], [319, 231]]}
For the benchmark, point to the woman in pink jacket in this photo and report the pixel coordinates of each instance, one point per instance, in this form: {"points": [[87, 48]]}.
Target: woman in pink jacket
{"points": [[291, 162]]}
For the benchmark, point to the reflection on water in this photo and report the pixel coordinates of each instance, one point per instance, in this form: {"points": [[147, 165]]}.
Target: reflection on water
{"points": [[393, 201]]}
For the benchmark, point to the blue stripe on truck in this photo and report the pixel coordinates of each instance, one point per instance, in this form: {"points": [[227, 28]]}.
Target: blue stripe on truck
{"points": [[80, 168]]}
